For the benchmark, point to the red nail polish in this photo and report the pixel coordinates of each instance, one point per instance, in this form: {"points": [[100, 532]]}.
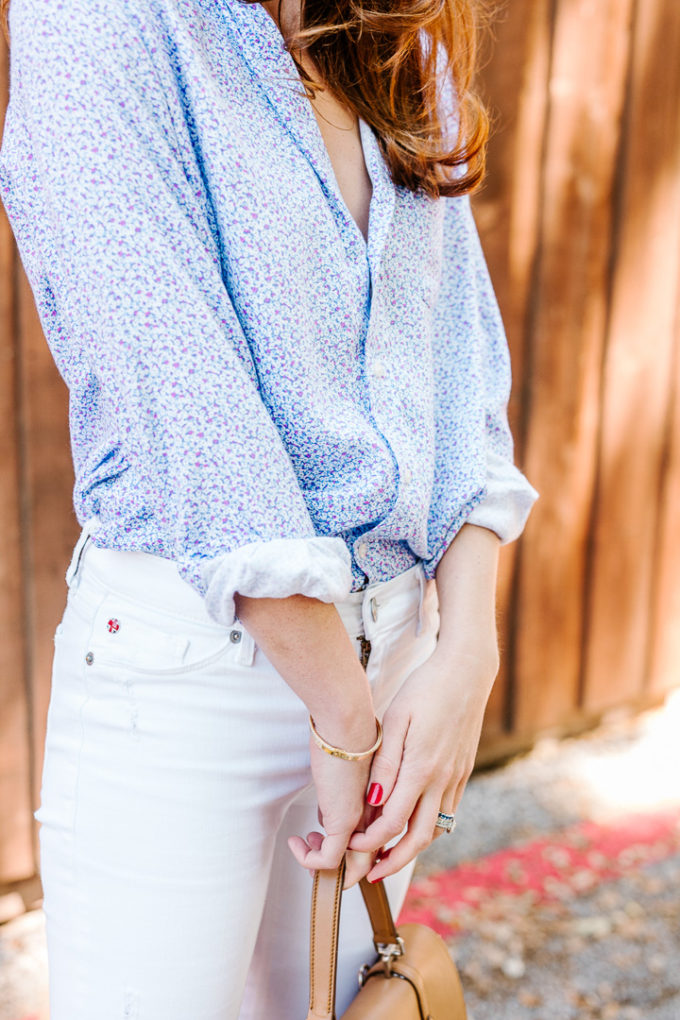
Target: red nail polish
{"points": [[375, 794]]}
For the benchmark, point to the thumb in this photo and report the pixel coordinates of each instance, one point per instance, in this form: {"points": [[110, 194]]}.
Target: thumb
{"points": [[387, 760]]}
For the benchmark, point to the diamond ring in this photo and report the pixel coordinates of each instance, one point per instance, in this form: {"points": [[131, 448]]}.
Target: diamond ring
{"points": [[444, 821]]}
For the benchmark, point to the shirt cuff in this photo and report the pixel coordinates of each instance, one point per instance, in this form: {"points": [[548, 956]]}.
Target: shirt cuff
{"points": [[320, 568], [508, 500]]}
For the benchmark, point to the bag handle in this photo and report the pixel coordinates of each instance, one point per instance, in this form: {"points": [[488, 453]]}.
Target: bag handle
{"points": [[325, 925]]}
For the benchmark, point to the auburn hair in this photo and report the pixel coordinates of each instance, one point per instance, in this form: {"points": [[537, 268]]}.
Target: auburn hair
{"points": [[407, 68]]}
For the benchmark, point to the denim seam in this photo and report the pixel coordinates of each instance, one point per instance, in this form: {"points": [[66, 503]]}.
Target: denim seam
{"points": [[78, 896]]}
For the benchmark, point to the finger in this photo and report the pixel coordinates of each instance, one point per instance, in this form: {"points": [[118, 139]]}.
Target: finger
{"points": [[358, 866], [386, 761], [299, 847], [325, 857], [391, 822], [454, 793], [421, 832], [369, 815], [314, 840], [359, 863], [448, 805]]}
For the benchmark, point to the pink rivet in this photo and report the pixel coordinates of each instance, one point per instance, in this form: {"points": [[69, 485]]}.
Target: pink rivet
{"points": [[113, 626]]}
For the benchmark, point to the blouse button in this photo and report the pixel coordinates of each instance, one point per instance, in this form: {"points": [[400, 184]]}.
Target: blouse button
{"points": [[406, 476], [363, 549], [378, 369]]}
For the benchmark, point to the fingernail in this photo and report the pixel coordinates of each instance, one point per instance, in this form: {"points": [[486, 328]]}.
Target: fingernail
{"points": [[375, 794]]}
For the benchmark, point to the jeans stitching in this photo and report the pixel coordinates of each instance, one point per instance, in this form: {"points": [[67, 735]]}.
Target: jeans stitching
{"points": [[87, 697]]}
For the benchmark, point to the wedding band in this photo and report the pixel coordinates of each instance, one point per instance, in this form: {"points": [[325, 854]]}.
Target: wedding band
{"points": [[444, 821]]}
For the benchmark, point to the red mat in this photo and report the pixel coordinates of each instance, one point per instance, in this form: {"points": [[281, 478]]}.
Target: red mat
{"points": [[559, 866]]}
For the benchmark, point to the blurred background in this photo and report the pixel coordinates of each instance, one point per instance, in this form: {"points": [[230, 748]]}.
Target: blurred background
{"points": [[580, 220]]}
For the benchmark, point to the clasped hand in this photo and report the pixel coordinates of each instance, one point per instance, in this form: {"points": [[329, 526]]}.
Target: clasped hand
{"points": [[431, 735]]}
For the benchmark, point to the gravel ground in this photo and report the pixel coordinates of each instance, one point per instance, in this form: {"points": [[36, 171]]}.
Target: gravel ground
{"points": [[23, 968], [627, 764], [610, 952]]}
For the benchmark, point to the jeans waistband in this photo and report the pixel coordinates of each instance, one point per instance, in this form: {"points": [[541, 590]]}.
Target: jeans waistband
{"points": [[156, 581]]}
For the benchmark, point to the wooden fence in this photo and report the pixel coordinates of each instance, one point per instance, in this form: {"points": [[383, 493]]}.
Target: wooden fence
{"points": [[580, 218]]}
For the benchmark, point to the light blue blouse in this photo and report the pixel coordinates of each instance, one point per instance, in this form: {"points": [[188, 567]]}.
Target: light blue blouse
{"points": [[256, 392]]}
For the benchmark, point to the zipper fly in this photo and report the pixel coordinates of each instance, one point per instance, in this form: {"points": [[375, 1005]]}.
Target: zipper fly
{"points": [[365, 645]]}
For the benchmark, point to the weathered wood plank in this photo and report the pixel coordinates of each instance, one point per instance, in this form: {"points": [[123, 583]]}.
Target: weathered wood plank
{"points": [[514, 83], [664, 658], [51, 529], [16, 854], [587, 88], [637, 374]]}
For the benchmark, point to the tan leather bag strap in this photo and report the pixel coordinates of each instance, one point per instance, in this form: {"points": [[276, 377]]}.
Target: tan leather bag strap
{"points": [[325, 926], [323, 942], [378, 907]]}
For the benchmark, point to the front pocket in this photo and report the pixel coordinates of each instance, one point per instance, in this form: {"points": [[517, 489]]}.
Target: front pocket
{"points": [[138, 638]]}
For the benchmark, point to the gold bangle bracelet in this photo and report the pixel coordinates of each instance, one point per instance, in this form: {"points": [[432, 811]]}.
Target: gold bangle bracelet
{"points": [[337, 752]]}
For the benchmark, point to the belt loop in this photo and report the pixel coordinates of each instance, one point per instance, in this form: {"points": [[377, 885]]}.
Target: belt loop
{"points": [[421, 598], [72, 576], [246, 649], [366, 616]]}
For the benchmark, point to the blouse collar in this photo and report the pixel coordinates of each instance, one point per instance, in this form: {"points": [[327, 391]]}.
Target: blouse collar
{"points": [[265, 53]]}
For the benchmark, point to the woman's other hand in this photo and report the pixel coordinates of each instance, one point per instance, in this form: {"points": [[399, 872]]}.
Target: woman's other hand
{"points": [[433, 724], [431, 735]]}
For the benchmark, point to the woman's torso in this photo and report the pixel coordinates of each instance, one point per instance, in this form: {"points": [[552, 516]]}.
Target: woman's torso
{"points": [[353, 345]]}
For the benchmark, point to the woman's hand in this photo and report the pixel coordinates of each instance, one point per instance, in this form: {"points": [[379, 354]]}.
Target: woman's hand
{"points": [[341, 793], [431, 734], [308, 644], [432, 726]]}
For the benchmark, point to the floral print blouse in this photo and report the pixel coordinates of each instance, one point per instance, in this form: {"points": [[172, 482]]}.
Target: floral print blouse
{"points": [[256, 392]]}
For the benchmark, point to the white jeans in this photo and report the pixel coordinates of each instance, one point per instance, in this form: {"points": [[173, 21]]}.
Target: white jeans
{"points": [[176, 767]]}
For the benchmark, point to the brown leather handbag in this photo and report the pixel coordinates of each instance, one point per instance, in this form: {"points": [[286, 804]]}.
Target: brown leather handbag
{"points": [[412, 978]]}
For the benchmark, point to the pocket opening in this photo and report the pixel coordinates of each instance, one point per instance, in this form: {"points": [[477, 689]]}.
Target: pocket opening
{"points": [[125, 634]]}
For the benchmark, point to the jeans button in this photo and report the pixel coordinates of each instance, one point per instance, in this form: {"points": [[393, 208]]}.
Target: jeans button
{"points": [[235, 637]]}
